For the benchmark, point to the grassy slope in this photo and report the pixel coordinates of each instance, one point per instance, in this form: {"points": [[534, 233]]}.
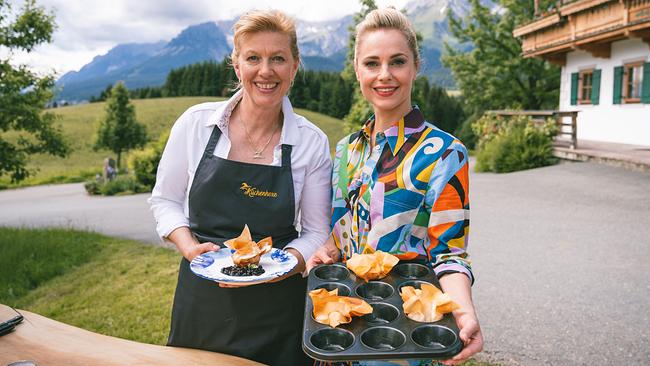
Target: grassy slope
{"points": [[30, 258], [81, 122], [118, 287]]}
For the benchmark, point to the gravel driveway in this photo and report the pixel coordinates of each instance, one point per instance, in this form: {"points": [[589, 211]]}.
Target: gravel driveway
{"points": [[68, 205], [561, 258], [560, 254]]}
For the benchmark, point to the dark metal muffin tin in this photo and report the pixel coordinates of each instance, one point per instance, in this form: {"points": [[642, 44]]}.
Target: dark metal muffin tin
{"points": [[386, 334]]}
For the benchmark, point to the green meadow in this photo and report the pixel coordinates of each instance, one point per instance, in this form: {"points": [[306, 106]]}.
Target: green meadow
{"points": [[111, 286], [79, 125]]}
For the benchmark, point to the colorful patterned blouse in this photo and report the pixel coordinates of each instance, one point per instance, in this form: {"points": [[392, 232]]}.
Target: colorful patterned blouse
{"points": [[408, 196]]}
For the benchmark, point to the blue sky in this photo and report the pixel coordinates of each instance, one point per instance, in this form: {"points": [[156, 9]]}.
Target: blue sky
{"points": [[87, 28]]}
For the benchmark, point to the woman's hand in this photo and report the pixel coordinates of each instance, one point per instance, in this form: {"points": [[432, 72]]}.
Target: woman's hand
{"points": [[193, 251], [459, 288], [471, 335], [327, 254], [187, 244], [299, 268]]}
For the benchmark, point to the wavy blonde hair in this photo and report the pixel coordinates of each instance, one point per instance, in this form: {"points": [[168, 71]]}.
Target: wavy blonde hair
{"points": [[256, 21]]}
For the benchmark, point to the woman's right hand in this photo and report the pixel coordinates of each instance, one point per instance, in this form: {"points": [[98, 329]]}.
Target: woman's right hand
{"points": [[195, 250], [327, 254], [187, 244]]}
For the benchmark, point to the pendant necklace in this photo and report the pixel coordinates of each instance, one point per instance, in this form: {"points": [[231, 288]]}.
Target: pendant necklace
{"points": [[257, 153]]}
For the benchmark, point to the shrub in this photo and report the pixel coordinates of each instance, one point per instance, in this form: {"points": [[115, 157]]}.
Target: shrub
{"points": [[122, 184], [507, 145], [93, 187], [489, 126], [144, 163], [465, 133]]}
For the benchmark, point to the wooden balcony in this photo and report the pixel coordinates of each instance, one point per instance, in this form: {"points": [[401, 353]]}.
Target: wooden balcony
{"points": [[590, 25]]}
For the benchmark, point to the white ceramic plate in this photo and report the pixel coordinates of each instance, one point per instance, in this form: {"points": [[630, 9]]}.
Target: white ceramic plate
{"points": [[276, 263]]}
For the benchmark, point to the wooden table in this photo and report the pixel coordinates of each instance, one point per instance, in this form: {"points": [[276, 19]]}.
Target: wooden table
{"points": [[48, 342]]}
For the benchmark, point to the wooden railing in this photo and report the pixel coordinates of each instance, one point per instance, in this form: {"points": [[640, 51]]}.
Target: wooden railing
{"points": [[567, 130]]}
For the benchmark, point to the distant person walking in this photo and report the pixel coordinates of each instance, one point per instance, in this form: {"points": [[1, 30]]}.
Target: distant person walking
{"points": [[110, 169]]}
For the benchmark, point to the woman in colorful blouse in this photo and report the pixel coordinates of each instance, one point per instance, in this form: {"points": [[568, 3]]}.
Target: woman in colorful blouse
{"points": [[400, 184]]}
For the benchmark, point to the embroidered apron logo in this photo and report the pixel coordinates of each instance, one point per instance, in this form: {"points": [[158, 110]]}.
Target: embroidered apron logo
{"points": [[254, 192]]}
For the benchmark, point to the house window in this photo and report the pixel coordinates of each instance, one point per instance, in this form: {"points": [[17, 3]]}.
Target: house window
{"points": [[632, 81], [586, 84]]}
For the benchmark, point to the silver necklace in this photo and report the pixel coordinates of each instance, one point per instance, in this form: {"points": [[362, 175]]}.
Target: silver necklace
{"points": [[257, 153]]}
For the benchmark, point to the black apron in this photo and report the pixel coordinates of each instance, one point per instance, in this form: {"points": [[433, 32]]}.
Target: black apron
{"points": [[260, 322]]}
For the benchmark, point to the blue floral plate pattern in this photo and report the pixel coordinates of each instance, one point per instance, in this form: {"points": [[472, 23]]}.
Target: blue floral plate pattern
{"points": [[276, 263]]}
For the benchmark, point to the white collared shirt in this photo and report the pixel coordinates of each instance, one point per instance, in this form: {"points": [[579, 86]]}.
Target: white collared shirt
{"points": [[311, 167]]}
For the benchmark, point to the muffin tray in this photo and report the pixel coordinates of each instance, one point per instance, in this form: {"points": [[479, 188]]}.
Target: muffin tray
{"points": [[386, 333]]}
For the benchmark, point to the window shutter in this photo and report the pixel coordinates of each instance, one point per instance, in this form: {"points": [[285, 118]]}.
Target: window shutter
{"points": [[645, 89], [595, 88], [574, 88], [618, 84]]}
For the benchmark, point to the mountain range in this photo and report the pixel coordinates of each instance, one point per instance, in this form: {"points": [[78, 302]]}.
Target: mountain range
{"points": [[323, 46]]}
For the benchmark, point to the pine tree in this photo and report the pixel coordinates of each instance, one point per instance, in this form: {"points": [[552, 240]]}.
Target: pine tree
{"points": [[196, 77], [445, 112], [494, 75], [105, 93], [209, 76], [324, 98], [436, 105], [23, 93], [119, 131], [339, 98], [171, 83], [297, 92], [420, 96], [155, 93], [227, 78]]}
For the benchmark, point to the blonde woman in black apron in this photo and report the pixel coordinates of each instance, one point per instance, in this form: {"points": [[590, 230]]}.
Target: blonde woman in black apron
{"points": [[218, 155]]}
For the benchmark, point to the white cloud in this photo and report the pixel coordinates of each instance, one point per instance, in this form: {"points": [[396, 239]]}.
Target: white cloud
{"points": [[87, 28]]}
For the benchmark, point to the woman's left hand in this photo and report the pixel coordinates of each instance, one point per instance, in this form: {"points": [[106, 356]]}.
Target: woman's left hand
{"points": [[470, 334], [299, 268]]}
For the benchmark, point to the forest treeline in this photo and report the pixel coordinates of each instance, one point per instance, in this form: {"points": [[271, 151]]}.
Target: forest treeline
{"points": [[319, 91]]}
